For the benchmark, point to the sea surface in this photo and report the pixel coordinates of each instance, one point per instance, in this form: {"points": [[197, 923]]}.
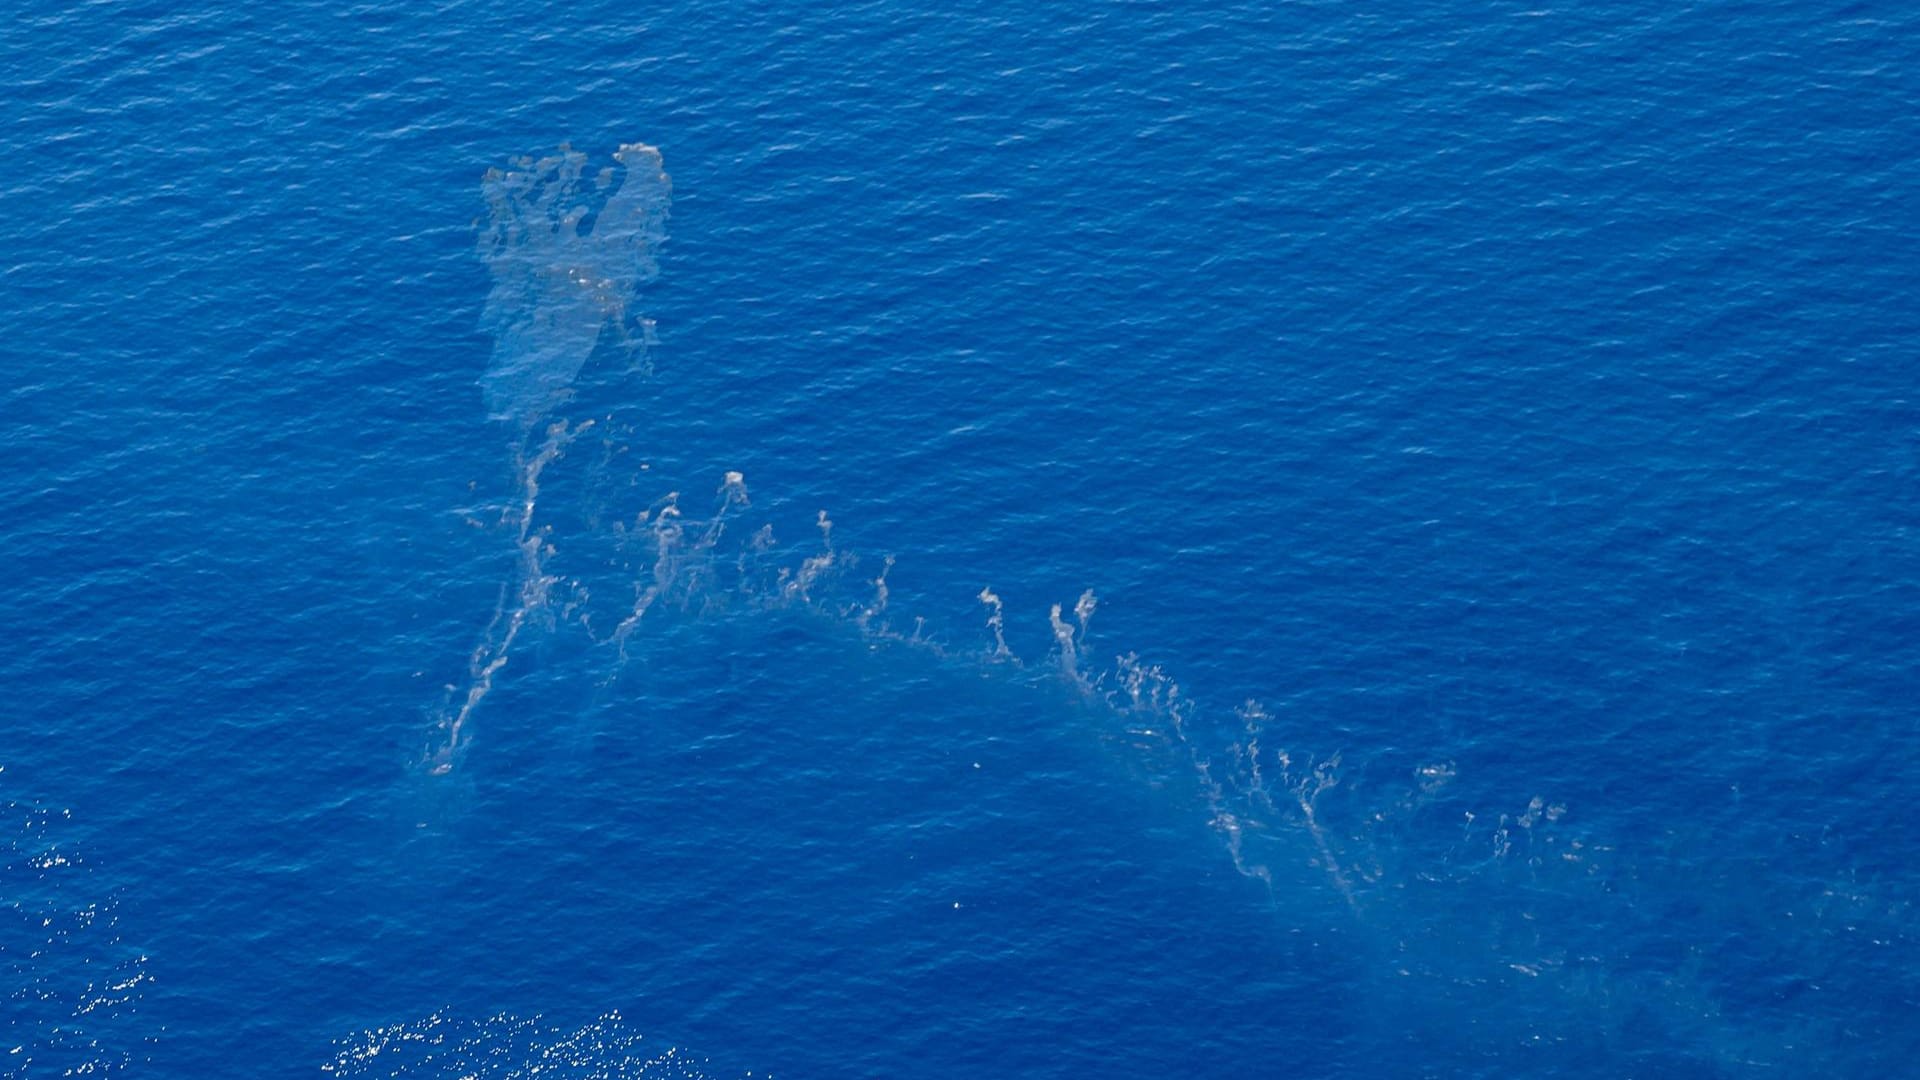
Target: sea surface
{"points": [[1108, 539]]}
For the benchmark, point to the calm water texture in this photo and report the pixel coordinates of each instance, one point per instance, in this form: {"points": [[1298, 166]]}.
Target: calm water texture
{"points": [[1488, 433]]}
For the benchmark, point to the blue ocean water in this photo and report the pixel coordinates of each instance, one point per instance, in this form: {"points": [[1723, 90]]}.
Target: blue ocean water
{"points": [[539, 530]]}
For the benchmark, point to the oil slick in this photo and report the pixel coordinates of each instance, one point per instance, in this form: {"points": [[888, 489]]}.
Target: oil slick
{"points": [[1470, 896], [567, 249], [567, 252]]}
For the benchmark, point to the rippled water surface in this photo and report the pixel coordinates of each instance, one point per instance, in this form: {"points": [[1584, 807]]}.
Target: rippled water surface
{"points": [[856, 540]]}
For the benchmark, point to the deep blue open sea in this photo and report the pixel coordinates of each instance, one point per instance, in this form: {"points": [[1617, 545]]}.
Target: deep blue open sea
{"points": [[1106, 539]]}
